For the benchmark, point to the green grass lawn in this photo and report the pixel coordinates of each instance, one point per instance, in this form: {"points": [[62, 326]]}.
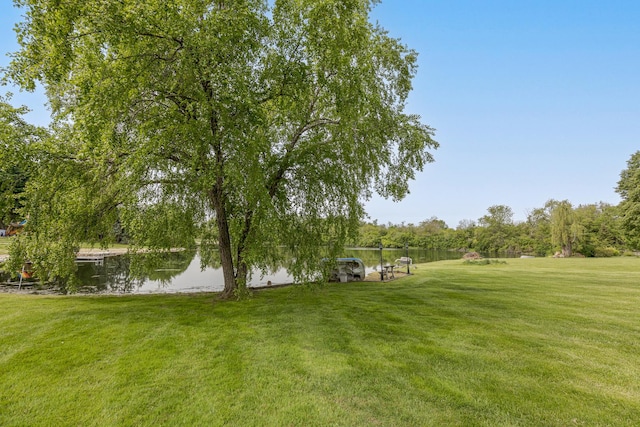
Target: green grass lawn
{"points": [[553, 342]]}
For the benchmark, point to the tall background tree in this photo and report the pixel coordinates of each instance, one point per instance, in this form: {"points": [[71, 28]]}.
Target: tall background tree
{"points": [[538, 230], [566, 230], [629, 190], [273, 121], [496, 229]]}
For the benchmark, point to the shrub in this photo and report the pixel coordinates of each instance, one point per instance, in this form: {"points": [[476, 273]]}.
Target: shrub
{"points": [[483, 261], [607, 251]]}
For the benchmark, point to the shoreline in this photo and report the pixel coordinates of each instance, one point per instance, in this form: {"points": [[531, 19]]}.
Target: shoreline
{"points": [[35, 288]]}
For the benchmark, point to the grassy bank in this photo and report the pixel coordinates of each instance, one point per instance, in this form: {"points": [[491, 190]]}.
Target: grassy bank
{"points": [[529, 342]]}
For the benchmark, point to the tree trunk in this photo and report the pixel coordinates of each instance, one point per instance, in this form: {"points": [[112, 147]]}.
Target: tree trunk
{"points": [[224, 245], [242, 269], [241, 276], [226, 258]]}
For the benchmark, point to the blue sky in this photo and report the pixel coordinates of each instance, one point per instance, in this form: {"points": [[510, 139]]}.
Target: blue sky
{"points": [[531, 100]]}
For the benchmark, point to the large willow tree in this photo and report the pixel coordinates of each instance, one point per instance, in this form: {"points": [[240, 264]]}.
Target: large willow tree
{"points": [[273, 120]]}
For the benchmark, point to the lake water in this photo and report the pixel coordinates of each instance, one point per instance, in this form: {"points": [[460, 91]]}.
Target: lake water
{"points": [[182, 272]]}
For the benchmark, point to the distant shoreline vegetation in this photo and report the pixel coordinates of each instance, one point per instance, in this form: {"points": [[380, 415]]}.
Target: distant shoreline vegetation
{"points": [[593, 230]]}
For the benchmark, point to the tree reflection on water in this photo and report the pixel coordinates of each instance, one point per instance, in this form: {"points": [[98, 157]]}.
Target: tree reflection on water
{"points": [[192, 271], [126, 273]]}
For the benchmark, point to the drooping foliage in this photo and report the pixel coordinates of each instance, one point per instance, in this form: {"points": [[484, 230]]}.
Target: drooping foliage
{"points": [[266, 124], [19, 143], [563, 226]]}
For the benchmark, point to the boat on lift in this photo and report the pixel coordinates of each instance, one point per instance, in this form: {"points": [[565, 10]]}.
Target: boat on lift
{"points": [[348, 270]]}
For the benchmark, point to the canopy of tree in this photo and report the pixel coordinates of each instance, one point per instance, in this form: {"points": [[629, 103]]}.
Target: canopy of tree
{"points": [[257, 123]]}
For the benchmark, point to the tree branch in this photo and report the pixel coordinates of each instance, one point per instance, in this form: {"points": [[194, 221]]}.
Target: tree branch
{"points": [[275, 181]]}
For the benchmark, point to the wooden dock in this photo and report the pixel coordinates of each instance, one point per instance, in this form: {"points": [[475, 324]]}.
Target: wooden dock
{"points": [[92, 256]]}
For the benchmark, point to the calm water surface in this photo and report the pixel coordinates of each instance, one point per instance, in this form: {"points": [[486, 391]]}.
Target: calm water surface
{"points": [[182, 272]]}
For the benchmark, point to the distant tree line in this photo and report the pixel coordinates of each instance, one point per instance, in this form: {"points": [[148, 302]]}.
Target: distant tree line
{"points": [[590, 230], [558, 227]]}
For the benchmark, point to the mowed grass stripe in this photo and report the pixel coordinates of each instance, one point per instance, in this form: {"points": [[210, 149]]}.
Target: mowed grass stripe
{"points": [[527, 342]]}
